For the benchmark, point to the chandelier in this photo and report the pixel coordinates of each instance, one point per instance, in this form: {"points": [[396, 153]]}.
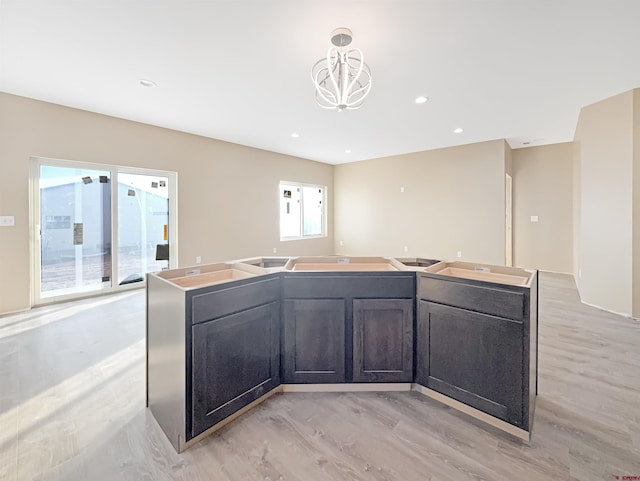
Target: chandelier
{"points": [[342, 79]]}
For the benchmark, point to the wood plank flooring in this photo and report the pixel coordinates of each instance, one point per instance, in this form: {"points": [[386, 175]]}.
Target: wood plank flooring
{"points": [[72, 408]]}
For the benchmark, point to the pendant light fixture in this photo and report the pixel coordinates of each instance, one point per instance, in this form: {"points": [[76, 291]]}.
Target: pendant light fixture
{"points": [[342, 79]]}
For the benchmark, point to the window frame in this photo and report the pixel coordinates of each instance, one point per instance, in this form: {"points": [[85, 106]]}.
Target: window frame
{"points": [[300, 185]]}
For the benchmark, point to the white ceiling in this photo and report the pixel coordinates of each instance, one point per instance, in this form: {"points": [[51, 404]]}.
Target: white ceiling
{"points": [[238, 70]]}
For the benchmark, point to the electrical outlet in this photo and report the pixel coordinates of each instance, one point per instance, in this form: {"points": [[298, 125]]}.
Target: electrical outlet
{"points": [[198, 259], [406, 248], [7, 220], [459, 254], [341, 243], [275, 250], [402, 189]]}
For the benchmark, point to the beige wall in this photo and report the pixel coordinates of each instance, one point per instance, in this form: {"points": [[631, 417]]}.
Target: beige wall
{"points": [[577, 195], [605, 155], [636, 204], [508, 159], [508, 169], [583, 192], [227, 201], [453, 200], [542, 186]]}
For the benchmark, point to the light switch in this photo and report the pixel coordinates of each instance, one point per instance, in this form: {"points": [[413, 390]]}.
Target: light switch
{"points": [[7, 220], [534, 218]]}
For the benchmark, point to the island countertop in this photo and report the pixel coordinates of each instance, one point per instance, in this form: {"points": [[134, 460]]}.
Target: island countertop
{"points": [[229, 271]]}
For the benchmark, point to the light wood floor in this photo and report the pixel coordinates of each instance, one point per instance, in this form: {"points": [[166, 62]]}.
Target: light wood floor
{"points": [[72, 408]]}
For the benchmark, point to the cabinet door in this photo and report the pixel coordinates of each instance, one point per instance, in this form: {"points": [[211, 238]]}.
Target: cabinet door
{"points": [[314, 341], [236, 359], [382, 340], [472, 357]]}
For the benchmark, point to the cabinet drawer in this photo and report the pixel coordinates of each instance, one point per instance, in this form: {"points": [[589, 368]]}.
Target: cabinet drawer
{"points": [[332, 286], [218, 303], [488, 300]]}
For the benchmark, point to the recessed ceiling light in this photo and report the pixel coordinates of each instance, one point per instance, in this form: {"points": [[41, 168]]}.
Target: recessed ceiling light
{"points": [[421, 99], [458, 131], [348, 151], [146, 82], [295, 135]]}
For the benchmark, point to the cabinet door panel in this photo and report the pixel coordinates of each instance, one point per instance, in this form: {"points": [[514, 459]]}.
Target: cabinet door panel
{"points": [[314, 341], [236, 359], [382, 340], [474, 358]]}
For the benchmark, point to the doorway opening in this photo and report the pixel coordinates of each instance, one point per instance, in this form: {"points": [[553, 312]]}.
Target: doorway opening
{"points": [[508, 221]]}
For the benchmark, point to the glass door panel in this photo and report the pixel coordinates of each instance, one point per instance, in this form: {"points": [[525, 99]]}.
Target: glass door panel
{"points": [[289, 211], [75, 230], [312, 206], [143, 226]]}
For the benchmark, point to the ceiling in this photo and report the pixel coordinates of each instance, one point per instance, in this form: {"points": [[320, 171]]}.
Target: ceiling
{"points": [[239, 70]]}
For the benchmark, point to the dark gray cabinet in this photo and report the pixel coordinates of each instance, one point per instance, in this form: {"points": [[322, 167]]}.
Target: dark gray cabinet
{"points": [[382, 340], [346, 327], [472, 357], [476, 342], [236, 359], [215, 349], [314, 340]]}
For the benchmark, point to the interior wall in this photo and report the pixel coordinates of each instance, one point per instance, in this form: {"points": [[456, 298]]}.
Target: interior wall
{"points": [[605, 150], [542, 186], [636, 205], [508, 159], [453, 200], [227, 194], [577, 203], [508, 169]]}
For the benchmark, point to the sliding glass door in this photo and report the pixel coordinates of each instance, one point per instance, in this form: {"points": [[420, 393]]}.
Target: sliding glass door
{"points": [[99, 228], [143, 225], [75, 230]]}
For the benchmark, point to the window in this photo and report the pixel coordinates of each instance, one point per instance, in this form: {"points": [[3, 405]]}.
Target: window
{"points": [[302, 211]]}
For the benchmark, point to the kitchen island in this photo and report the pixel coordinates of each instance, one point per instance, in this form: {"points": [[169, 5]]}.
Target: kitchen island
{"points": [[223, 337]]}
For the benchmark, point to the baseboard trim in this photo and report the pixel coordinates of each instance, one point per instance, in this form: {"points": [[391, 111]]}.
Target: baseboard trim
{"points": [[348, 387], [11, 313], [364, 387], [621, 314], [626, 315], [187, 444], [475, 413], [557, 272]]}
